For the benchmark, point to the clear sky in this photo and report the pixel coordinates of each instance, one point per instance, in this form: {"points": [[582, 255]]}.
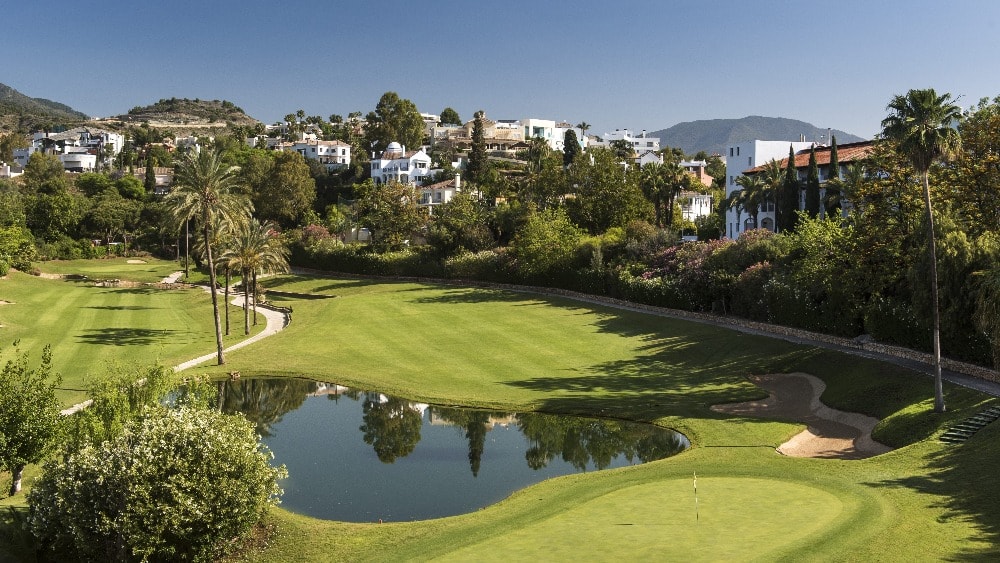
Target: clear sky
{"points": [[613, 63]]}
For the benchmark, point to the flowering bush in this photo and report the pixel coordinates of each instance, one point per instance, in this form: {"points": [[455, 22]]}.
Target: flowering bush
{"points": [[175, 485]]}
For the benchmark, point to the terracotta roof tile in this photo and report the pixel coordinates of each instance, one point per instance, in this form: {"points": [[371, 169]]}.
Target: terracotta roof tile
{"points": [[846, 153]]}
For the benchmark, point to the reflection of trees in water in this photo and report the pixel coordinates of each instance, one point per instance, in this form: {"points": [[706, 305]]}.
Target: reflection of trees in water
{"points": [[579, 441], [476, 425], [391, 426], [264, 401]]}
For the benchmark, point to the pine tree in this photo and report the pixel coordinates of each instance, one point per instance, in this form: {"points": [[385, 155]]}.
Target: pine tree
{"points": [[812, 186]]}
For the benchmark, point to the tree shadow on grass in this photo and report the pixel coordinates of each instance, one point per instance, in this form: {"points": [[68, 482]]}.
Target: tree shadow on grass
{"points": [[453, 296], [679, 367], [961, 479], [121, 307], [143, 290], [127, 336]]}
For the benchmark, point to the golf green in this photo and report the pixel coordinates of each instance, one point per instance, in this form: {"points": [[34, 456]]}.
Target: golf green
{"points": [[710, 524]]}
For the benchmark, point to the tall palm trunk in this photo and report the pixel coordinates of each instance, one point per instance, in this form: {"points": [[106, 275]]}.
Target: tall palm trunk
{"points": [[246, 301], [212, 289], [254, 297], [227, 300], [935, 310]]}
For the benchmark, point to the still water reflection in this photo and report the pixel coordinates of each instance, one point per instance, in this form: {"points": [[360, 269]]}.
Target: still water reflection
{"points": [[361, 456]]}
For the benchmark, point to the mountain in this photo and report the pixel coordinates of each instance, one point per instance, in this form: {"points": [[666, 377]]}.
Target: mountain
{"points": [[714, 135], [22, 113]]}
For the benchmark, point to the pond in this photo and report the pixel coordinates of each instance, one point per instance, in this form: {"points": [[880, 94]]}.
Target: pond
{"points": [[362, 456]]}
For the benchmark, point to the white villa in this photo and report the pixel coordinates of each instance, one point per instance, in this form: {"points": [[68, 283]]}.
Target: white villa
{"points": [[747, 155], [554, 133], [439, 193], [397, 164], [694, 205], [751, 156], [640, 144], [78, 149], [332, 154]]}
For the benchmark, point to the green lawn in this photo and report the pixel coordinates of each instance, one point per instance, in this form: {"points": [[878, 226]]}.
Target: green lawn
{"points": [[89, 326], [145, 269], [520, 351]]}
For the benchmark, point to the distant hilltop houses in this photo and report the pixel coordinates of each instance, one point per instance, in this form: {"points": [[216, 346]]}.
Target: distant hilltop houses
{"points": [[88, 149]]}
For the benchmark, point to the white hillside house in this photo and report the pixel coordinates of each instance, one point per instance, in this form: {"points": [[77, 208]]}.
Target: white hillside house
{"points": [[440, 193], [78, 149], [744, 156], [640, 143], [332, 154], [396, 164]]}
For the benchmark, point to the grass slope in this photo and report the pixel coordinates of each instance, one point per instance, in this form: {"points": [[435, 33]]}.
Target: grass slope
{"points": [[90, 327], [519, 351]]}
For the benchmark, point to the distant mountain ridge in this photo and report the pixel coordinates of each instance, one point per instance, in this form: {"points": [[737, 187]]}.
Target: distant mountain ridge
{"points": [[714, 135], [23, 113]]}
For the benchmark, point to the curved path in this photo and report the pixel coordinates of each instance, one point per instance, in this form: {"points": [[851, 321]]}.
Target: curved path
{"points": [[275, 321]]}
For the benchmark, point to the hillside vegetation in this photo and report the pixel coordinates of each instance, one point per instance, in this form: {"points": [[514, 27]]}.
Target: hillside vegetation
{"points": [[21, 113], [185, 112]]}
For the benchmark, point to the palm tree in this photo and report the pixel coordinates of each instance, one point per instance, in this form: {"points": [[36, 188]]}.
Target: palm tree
{"points": [[203, 190], [223, 231], [255, 249], [736, 201], [754, 195], [651, 180], [842, 190], [923, 126], [583, 126]]}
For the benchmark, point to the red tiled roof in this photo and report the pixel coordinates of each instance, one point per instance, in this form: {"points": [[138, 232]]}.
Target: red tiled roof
{"points": [[440, 185], [846, 153]]}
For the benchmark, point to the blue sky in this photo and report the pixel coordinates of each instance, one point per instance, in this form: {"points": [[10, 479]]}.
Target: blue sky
{"points": [[614, 64]]}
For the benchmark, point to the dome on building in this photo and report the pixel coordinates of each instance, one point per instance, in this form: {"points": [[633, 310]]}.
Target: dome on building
{"points": [[394, 147]]}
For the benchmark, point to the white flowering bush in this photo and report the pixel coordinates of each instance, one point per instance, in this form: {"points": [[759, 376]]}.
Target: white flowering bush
{"points": [[175, 485]]}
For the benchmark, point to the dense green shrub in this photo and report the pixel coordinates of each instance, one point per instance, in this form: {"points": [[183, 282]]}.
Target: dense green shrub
{"points": [[894, 322], [175, 485], [487, 265], [749, 299]]}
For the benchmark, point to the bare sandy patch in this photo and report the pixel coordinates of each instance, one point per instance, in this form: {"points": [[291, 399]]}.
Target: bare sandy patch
{"points": [[829, 433], [136, 261], [2, 302]]}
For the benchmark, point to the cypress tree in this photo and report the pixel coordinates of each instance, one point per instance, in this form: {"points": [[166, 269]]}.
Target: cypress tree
{"points": [[812, 186], [477, 153], [834, 162], [571, 147], [788, 198], [150, 180]]}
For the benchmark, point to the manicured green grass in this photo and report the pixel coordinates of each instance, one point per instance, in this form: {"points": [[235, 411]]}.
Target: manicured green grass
{"points": [[520, 351], [89, 326], [145, 269]]}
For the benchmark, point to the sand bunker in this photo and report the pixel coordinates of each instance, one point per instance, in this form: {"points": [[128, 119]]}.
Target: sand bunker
{"points": [[830, 433], [136, 261], [2, 302]]}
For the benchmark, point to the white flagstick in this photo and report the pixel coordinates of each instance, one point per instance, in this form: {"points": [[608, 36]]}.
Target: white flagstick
{"points": [[696, 495]]}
